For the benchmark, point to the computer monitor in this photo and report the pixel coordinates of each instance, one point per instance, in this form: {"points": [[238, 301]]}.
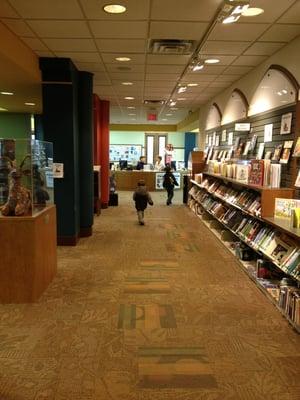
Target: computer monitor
{"points": [[123, 164]]}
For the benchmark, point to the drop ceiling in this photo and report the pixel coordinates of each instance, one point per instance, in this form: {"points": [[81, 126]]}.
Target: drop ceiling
{"points": [[81, 30]]}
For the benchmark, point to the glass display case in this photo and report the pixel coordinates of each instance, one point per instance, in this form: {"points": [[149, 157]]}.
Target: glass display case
{"points": [[26, 176]]}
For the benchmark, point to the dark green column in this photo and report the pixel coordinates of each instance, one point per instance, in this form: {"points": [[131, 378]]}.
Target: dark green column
{"points": [[60, 125], [85, 113]]}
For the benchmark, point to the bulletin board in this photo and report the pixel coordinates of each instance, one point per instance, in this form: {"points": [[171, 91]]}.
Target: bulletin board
{"points": [[129, 152]]}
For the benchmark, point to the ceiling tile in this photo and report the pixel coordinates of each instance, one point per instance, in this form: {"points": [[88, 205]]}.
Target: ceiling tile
{"points": [[160, 84], [121, 45], [162, 77], [194, 77], [263, 48], [224, 60], [80, 57], [200, 86], [118, 84], [35, 44], [281, 33], [189, 10], [83, 45], [90, 66], [6, 10], [248, 32], [135, 58], [19, 27], [177, 30], [223, 47], [211, 70], [54, 9], [119, 29], [167, 59], [125, 68], [270, 14], [126, 76], [101, 81], [60, 29], [44, 53], [136, 9], [249, 60], [237, 70], [292, 16], [163, 69], [226, 78], [218, 84]]}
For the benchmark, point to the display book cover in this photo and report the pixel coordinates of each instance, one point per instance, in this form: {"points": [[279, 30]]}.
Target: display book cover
{"points": [[256, 173], [284, 207], [280, 247], [242, 171]]}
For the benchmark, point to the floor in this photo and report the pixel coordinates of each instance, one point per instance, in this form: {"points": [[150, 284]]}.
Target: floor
{"points": [[154, 312]]}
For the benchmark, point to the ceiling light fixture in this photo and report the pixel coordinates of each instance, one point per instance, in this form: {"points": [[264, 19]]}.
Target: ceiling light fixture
{"points": [[164, 119], [192, 84], [181, 98], [173, 109], [127, 83], [7, 93], [252, 12], [212, 61], [29, 104], [198, 67], [182, 89], [169, 115], [132, 115], [172, 103], [232, 11], [129, 98], [122, 59], [114, 8], [131, 108], [3, 109]]}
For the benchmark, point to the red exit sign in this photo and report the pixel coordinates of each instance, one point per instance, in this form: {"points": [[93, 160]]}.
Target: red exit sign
{"points": [[152, 117]]}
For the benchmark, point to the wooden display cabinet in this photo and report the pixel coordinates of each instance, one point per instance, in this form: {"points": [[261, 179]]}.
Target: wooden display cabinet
{"points": [[28, 259]]}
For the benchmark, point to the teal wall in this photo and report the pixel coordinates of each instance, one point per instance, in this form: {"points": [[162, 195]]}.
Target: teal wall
{"points": [[16, 126], [119, 137]]}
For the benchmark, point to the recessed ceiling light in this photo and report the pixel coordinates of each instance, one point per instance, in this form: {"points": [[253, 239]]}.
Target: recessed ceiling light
{"points": [[231, 19], [131, 108], [123, 58], [129, 98], [192, 84], [114, 8], [172, 103], [174, 109], [7, 93], [164, 119], [284, 91], [198, 67], [3, 109], [181, 98], [29, 104], [133, 119], [127, 83], [212, 61], [131, 114], [252, 12], [169, 115]]}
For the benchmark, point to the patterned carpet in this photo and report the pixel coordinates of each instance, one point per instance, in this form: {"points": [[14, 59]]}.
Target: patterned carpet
{"points": [[154, 312]]}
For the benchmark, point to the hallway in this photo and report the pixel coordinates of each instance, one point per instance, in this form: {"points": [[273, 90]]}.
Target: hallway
{"points": [[154, 312]]}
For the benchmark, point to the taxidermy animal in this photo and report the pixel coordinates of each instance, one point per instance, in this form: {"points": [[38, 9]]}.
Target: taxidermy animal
{"points": [[19, 197]]}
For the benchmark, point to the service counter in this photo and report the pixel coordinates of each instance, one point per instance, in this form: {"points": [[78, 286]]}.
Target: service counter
{"points": [[128, 180]]}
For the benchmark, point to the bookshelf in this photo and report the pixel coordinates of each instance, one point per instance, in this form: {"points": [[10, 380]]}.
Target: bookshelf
{"points": [[268, 195], [214, 210]]}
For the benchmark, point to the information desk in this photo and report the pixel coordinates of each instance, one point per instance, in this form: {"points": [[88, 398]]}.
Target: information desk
{"points": [[128, 180]]}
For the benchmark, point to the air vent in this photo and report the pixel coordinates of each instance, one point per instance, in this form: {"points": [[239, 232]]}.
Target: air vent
{"points": [[171, 46], [153, 102]]}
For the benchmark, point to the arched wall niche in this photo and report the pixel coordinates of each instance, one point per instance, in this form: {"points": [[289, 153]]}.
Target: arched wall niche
{"points": [[278, 88], [214, 117], [236, 107]]}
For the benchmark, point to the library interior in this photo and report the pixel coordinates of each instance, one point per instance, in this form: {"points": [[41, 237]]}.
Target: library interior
{"points": [[150, 200]]}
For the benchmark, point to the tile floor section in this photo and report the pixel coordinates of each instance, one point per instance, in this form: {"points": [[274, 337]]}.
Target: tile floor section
{"points": [[154, 312]]}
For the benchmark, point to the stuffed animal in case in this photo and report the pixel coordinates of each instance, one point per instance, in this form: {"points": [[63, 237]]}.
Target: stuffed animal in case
{"points": [[19, 197]]}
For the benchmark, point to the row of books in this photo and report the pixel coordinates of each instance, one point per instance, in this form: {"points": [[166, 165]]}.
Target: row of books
{"points": [[248, 200], [261, 237], [254, 172], [289, 302]]}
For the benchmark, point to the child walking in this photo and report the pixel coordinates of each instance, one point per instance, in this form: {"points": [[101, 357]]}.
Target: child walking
{"points": [[142, 198], [168, 183]]}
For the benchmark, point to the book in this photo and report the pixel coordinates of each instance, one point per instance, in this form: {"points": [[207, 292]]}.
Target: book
{"points": [[256, 174], [277, 152], [260, 151], [242, 172], [275, 175], [282, 249], [247, 148], [296, 152], [253, 143], [285, 156], [297, 182], [284, 207], [268, 155]]}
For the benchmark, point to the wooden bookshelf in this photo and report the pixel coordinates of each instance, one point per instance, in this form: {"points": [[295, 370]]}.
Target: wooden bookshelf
{"points": [[283, 225], [268, 195]]}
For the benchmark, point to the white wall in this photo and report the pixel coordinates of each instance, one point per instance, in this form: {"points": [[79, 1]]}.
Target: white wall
{"points": [[288, 57]]}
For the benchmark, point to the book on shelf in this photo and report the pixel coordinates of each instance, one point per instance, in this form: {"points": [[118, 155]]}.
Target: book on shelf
{"points": [[296, 152], [260, 151], [277, 152], [253, 143], [256, 174], [239, 150], [242, 172], [247, 148], [268, 155], [285, 156], [283, 248], [284, 207], [275, 175], [297, 182], [267, 172]]}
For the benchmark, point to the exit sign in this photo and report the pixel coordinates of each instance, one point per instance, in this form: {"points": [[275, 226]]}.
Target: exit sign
{"points": [[152, 117]]}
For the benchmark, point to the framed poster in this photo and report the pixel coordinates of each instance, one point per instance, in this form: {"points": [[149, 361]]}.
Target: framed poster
{"points": [[286, 123], [159, 178]]}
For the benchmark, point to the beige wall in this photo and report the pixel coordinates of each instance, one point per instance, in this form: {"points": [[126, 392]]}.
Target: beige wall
{"points": [[288, 57]]}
